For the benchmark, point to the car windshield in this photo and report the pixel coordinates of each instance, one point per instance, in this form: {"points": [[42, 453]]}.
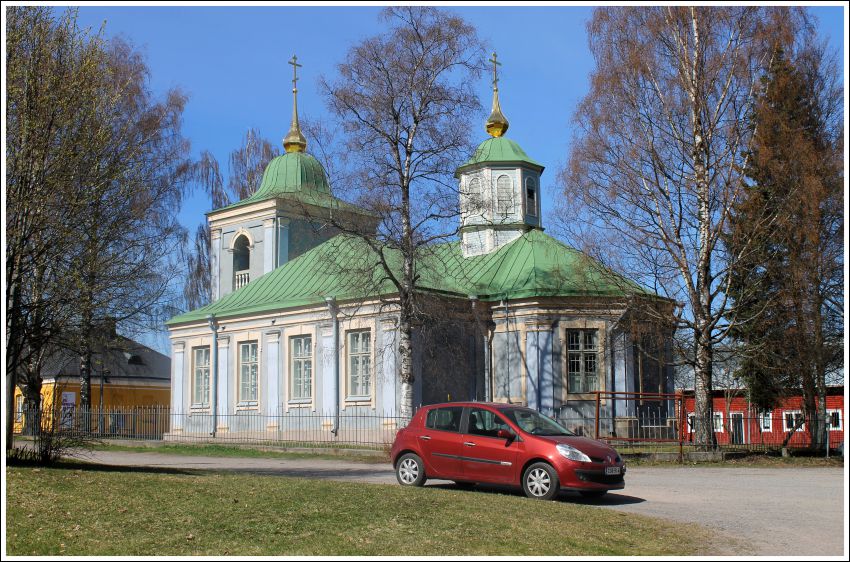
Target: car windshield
{"points": [[535, 423]]}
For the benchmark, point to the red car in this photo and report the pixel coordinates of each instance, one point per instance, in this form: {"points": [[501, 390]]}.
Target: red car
{"points": [[472, 442]]}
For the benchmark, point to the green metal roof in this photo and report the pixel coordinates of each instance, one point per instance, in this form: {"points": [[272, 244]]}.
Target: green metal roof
{"points": [[297, 176], [499, 149], [534, 265]]}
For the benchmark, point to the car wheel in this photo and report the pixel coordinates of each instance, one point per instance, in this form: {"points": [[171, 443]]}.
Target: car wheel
{"points": [[409, 470], [465, 485], [540, 482], [594, 493]]}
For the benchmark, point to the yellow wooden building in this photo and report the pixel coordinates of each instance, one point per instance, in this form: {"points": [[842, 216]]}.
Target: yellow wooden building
{"points": [[132, 376]]}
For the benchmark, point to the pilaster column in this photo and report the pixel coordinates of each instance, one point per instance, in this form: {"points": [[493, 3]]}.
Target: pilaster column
{"points": [[326, 358], [177, 383], [224, 382], [387, 374], [268, 245], [215, 261], [272, 378]]}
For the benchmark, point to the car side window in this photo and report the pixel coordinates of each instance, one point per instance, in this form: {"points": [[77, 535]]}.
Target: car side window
{"points": [[444, 419], [486, 423]]}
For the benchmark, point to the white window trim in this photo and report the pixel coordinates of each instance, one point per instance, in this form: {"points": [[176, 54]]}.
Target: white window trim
{"points": [[793, 413], [582, 351], [690, 422], [359, 398], [200, 405], [511, 206], [718, 428], [768, 417], [290, 387], [247, 404], [840, 426]]}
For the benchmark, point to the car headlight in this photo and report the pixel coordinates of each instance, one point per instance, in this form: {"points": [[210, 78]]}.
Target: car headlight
{"points": [[572, 453]]}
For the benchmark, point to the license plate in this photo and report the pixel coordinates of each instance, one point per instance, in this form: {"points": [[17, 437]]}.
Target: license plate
{"points": [[612, 470]]}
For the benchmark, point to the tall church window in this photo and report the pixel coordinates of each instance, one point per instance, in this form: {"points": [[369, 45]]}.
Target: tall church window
{"points": [[360, 364], [248, 372], [474, 201], [241, 262], [301, 379], [582, 351], [531, 197], [201, 376], [504, 196]]}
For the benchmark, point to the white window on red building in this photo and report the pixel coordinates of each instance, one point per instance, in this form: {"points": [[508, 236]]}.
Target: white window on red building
{"points": [[766, 421], [790, 419], [718, 422], [833, 417]]}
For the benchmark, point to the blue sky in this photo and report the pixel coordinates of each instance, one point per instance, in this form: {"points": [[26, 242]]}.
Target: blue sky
{"points": [[231, 61]]}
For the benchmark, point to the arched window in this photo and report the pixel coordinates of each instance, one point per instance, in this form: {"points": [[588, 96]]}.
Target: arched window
{"points": [[474, 204], [504, 196], [241, 262], [531, 197]]}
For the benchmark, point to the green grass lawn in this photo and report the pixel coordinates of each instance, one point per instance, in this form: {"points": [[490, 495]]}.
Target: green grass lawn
{"points": [[110, 511], [214, 450]]}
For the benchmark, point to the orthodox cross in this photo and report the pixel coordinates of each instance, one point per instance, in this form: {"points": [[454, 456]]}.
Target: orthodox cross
{"points": [[295, 65], [495, 64]]}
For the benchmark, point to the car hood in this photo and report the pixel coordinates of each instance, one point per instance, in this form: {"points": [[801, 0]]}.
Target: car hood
{"points": [[590, 447]]}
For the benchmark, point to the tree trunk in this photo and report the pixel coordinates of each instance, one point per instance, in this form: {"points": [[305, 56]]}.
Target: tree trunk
{"points": [[405, 349], [703, 408]]}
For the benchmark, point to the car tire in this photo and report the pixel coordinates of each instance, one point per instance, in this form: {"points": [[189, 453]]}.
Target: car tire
{"points": [[465, 485], [410, 471], [593, 493], [540, 482]]}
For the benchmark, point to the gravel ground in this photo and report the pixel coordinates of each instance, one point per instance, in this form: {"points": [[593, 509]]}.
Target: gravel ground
{"points": [[755, 511]]}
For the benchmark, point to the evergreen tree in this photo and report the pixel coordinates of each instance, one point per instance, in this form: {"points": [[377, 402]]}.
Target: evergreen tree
{"points": [[787, 235]]}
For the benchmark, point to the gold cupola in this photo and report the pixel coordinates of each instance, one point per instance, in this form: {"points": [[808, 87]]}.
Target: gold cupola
{"points": [[294, 141], [497, 124]]}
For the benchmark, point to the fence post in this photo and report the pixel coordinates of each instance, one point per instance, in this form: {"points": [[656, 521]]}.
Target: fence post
{"points": [[596, 436]]}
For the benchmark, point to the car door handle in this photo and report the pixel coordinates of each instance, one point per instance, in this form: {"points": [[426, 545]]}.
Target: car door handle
{"points": [[425, 437], [469, 444]]}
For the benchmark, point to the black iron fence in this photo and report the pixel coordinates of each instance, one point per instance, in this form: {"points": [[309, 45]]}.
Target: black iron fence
{"points": [[631, 423], [297, 427]]}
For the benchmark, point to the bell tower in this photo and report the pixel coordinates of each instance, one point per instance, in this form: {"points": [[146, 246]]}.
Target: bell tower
{"points": [[499, 187]]}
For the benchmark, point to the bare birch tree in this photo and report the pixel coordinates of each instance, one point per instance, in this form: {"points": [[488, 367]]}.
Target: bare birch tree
{"points": [[405, 99], [660, 151]]}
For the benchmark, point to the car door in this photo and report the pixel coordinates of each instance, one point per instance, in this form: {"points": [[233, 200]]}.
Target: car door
{"points": [[440, 442], [486, 457]]}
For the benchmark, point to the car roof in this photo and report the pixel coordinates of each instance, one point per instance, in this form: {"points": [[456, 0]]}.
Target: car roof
{"points": [[495, 405]]}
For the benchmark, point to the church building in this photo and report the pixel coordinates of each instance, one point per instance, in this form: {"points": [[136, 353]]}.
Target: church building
{"points": [[294, 329]]}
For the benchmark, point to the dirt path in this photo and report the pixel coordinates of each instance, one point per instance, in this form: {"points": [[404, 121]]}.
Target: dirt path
{"points": [[762, 511]]}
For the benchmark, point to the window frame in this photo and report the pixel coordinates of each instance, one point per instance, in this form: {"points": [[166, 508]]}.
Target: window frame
{"points": [[474, 197], [794, 414], [460, 420], [240, 400], [511, 203], [304, 357], [840, 426], [349, 395], [583, 354], [531, 210], [19, 408], [495, 415], [766, 417], [717, 419], [194, 403]]}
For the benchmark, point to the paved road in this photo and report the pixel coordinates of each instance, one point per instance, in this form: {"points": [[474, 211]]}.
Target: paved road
{"points": [[761, 511]]}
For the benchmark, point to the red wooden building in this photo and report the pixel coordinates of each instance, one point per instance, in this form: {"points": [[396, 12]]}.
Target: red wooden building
{"points": [[737, 422]]}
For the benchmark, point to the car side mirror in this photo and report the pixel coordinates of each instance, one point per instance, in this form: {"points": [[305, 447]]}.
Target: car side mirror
{"points": [[505, 434]]}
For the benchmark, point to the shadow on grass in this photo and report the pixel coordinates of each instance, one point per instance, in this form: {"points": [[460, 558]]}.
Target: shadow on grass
{"points": [[611, 498], [94, 467]]}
